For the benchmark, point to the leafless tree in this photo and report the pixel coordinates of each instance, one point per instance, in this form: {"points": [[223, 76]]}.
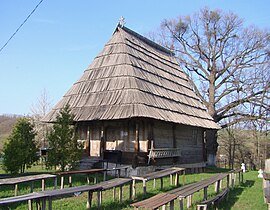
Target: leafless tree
{"points": [[228, 64], [39, 110]]}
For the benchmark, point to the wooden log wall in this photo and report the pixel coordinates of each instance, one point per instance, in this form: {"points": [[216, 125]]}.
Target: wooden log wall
{"points": [[125, 135]]}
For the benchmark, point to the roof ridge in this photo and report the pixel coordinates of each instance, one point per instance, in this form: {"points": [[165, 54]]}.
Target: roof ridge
{"points": [[144, 39]]}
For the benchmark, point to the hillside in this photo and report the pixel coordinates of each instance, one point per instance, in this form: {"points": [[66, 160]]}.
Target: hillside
{"points": [[6, 124]]}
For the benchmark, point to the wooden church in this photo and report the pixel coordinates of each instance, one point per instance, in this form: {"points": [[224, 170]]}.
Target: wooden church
{"points": [[135, 99]]}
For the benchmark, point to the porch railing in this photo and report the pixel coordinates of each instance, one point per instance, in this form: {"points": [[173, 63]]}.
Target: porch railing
{"points": [[163, 153]]}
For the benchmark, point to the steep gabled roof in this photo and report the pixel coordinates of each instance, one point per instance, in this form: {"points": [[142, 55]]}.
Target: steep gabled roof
{"points": [[134, 77]]}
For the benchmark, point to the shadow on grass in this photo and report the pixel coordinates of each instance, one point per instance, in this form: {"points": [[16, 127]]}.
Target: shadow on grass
{"points": [[214, 170], [234, 195]]}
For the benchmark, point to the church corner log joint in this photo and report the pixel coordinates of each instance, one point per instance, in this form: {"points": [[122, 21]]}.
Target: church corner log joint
{"points": [[134, 101]]}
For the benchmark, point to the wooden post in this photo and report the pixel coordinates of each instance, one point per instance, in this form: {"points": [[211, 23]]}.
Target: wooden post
{"points": [[172, 205], [120, 193], [32, 187], [234, 179], [50, 203], [70, 181], [181, 204], [43, 184], [89, 200], [30, 204], [176, 179], [205, 193], [144, 187], [154, 184], [55, 182], [102, 143], [43, 203], [228, 181], [105, 174], [217, 186], [220, 185], [137, 140], [171, 179], [89, 140], [99, 199], [62, 181], [174, 141], [161, 183], [114, 193], [16, 189], [38, 204], [183, 176], [189, 201], [134, 188], [130, 191]]}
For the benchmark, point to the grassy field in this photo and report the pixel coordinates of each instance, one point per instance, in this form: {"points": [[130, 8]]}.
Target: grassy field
{"points": [[247, 196]]}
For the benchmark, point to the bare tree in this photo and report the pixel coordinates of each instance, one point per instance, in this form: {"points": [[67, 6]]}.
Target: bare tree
{"points": [[39, 110], [228, 64]]}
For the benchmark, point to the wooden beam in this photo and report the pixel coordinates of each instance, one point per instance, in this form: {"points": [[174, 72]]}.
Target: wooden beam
{"points": [[137, 140], [88, 137], [102, 143], [174, 135], [174, 141]]}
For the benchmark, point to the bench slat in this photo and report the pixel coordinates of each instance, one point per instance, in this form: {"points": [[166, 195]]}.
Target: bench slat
{"points": [[195, 187], [181, 192], [159, 174], [155, 201], [17, 180], [114, 183], [215, 198], [21, 198]]}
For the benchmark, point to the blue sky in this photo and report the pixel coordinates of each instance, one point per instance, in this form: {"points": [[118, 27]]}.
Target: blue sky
{"points": [[61, 39]]}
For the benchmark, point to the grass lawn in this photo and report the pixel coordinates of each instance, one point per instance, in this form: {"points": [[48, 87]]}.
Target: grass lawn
{"points": [[248, 196]]}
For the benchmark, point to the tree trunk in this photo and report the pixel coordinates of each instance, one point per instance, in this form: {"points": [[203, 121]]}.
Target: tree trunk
{"points": [[211, 135], [211, 147]]}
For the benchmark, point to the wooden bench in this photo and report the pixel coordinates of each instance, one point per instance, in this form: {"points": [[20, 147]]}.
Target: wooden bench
{"points": [[72, 190], [193, 167], [117, 171], [21, 198], [182, 192], [214, 201], [70, 173], [114, 183], [233, 175], [32, 179], [187, 192], [158, 175], [161, 199], [163, 153], [41, 197]]}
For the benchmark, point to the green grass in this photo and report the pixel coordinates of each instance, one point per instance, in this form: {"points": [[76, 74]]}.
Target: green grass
{"points": [[248, 196]]}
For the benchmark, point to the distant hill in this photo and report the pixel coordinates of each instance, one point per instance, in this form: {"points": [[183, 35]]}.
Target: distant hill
{"points": [[6, 124]]}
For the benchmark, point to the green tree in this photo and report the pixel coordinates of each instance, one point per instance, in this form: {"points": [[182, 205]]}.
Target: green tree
{"points": [[64, 149], [228, 63], [20, 150]]}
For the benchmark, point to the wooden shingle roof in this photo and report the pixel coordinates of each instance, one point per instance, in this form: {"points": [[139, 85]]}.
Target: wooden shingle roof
{"points": [[134, 77]]}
